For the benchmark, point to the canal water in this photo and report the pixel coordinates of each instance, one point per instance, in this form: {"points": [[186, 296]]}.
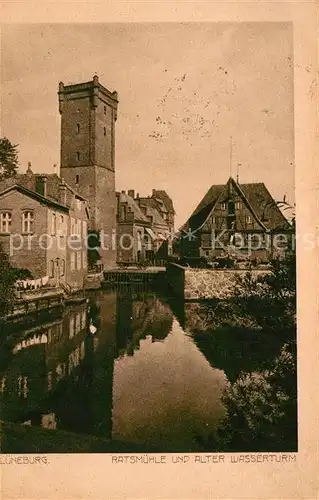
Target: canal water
{"points": [[141, 371], [121, 366]]}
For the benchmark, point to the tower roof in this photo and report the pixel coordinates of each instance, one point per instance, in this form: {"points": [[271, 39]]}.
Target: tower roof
{"points": [[87, 86]]}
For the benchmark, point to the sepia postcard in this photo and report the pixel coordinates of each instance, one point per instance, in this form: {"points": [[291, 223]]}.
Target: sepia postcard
{"points": [[159, 250]]}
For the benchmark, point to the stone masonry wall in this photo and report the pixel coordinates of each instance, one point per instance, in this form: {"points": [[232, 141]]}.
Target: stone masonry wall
{"points": [[200, 284]]}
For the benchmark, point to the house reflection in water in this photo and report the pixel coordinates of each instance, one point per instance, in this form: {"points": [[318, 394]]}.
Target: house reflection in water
{"points": [[140, 379]]}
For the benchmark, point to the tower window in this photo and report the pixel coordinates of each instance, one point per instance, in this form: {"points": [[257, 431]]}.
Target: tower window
{"points": [[104, 130], [77, 179], [77, 128], [78, 156]]}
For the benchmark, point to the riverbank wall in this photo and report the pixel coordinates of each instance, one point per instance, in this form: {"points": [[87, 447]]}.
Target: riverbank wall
{"points": [[204, 284]]}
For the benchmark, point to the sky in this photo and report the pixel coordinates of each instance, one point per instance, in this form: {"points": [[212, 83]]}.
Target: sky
{"points": [[185, 89]]}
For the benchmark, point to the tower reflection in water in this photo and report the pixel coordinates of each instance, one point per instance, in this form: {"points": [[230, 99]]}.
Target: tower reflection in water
{"points": [[139, 379]]}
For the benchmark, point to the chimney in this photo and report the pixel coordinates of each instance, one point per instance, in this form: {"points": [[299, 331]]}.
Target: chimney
{"points": [[153, 192], [29, 171], [44, 181], [131, 193], [62, 192]]}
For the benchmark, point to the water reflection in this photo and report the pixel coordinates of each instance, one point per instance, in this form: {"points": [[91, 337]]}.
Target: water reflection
{"points": [[138, 379], [179, 391]]}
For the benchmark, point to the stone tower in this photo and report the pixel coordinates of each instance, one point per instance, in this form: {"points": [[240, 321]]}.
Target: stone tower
{"points": [[88, 115]]}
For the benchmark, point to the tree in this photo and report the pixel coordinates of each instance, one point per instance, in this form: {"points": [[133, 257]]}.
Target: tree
{"points": [[8, 158], [7, 280]]}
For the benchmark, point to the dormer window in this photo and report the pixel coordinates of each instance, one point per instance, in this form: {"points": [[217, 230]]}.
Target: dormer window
{"points": [[27, 222], [5, 222]]}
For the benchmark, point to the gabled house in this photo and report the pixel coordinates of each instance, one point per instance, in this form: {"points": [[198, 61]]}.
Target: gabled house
{"points": [[143, 229], [43, 228], [238, 219]]}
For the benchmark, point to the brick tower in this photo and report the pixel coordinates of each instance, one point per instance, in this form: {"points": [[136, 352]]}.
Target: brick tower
{"points": [[88, 115]]}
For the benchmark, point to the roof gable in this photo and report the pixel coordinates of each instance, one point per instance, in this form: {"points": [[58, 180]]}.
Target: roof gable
{"points": [[34, 195], [256, 197]]}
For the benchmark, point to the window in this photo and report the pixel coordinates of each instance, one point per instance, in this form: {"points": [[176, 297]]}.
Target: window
{"points": [[51, 272], [213, 220], [78, 203], [223, 206], [71, 327], [53, 224], [84, 260], [78, 260], [72, 226], [78, 322], [77, 128], [104, 130], [61, 219], [5, 222], [77, 179], [78, 156], [27, 222], [237, 205], [62, 269], [85, 229], [83, 320], [248, 219], [105, 110], [72, 261]]}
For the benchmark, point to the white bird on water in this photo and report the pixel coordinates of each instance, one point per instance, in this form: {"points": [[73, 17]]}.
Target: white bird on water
{"points": [[92, 328]]}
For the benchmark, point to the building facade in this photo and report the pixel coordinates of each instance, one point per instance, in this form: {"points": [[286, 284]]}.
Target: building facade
{"points": [[88, 115], [242, 220], [143, 229], [43, 228]]}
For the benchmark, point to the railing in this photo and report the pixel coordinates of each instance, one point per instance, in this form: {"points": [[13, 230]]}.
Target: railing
{"points": [[144, 264]]}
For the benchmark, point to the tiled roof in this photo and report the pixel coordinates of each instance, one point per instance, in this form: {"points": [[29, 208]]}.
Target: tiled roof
{"points": [[256, 195], [125, 198], [204, 208], [162, 195], [157, 218], [28, 180]]}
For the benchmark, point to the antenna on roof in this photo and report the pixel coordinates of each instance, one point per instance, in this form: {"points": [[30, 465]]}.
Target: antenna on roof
{"points": [[230, 155], [237, 177]]}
